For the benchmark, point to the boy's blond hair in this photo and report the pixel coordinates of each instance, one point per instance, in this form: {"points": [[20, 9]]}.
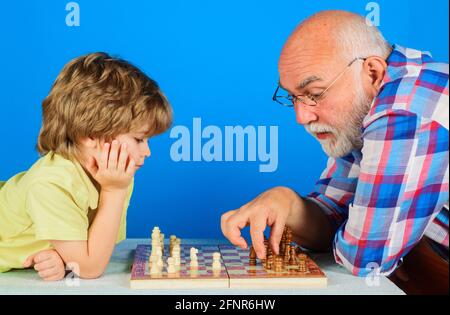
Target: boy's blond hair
{"points": [[101, 97]]}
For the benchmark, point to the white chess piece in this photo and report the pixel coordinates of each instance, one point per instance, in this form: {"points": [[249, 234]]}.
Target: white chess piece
{"points": [[171, 265], [193, 255], [216, 265], [154, 269]]}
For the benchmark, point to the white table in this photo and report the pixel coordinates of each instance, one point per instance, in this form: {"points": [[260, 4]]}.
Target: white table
{"points": [[117, 276]]}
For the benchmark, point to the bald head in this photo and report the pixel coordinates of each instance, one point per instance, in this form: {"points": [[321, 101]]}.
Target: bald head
{"points": [[327, 40], [320, 33]]}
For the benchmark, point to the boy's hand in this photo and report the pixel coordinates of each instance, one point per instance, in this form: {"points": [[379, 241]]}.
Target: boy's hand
{"points": [[111, 170], [48, 264]]}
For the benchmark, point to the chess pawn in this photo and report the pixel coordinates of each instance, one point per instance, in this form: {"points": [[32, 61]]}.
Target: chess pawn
{"points": [[171, 269], [302, 263], [193, 256], [216, 265], [193, 252], [193, 263], [278, 264]]}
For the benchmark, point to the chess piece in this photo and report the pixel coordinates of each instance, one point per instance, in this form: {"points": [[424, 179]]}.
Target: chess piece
{"points": [[193, 255], [269, 261], [252, 256], [282, 242], [278, 263], [171, 269], [154, 269], [287, 245], [292, 256], [302, 263], [216, 265]]}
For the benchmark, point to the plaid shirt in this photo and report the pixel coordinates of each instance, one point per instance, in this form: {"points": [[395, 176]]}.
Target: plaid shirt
{"points": [[384, 198]]}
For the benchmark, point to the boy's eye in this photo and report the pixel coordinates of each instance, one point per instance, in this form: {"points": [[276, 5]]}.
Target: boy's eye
{"points": [[139, 140]]}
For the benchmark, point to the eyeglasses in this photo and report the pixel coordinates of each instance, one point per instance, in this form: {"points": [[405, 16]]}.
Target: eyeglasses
{"points": [[309, 100]]}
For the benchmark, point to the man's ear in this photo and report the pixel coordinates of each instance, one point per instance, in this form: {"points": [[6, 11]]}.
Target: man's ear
{"points": [[375, 68]]}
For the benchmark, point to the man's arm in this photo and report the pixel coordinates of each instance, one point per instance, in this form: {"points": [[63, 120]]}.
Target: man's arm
{"points": [[402, 186]]}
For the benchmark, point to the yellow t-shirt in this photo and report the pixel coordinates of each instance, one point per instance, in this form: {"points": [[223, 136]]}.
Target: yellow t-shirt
{"points": [[53, 200]]}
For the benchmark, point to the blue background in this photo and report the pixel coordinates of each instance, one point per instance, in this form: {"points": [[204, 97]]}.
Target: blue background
{"points": [[213, 59]]}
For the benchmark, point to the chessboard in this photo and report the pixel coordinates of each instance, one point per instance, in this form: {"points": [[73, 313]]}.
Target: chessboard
{"points": [[238, 268]]}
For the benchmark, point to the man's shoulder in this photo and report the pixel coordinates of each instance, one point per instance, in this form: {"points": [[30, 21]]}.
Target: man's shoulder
{"points": [[414, 84]]}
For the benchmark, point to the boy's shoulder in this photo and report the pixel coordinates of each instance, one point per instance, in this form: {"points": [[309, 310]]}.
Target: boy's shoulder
{"points": [[53, 173]]}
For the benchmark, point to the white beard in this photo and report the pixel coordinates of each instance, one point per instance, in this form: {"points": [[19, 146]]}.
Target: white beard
{"points": [[349, 138]]}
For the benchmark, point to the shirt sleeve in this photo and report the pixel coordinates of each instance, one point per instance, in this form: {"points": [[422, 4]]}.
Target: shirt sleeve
{"points": [[55, 213], [335, 189], [400, 190]]}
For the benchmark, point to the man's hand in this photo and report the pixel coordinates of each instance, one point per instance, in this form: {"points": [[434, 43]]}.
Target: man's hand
{"points": [[48, 264], [111, 170], [272, 208]]}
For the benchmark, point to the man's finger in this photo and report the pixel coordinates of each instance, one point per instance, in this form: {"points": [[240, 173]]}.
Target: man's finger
{"points": [[231, 228], [257, 227], [276, 233]]}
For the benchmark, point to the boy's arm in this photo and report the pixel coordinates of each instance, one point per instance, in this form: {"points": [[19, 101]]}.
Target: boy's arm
{"points": [[92, 256]]}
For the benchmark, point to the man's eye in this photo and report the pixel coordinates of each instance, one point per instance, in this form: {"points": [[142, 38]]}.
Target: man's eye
{"points": [[139, 140], [313, 96]]}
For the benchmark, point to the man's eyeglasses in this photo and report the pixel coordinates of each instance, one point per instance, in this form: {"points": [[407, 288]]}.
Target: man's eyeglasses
{"points": [[309, 99]]}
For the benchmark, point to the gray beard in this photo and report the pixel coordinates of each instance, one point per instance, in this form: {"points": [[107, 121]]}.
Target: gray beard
{"points": [[350, 137]]}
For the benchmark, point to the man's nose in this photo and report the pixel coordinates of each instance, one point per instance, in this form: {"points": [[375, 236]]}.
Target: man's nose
{"points": [[304, 115]]}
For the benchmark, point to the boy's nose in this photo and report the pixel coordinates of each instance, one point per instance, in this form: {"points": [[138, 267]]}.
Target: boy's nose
{"points": [[304, 115], [147, 151]]}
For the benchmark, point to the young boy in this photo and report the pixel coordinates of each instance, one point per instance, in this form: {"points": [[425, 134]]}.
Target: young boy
{"points": [[70, 206]]}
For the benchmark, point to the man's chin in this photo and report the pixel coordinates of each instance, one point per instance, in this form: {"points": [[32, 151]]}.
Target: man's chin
{"points": [[335, 150]]}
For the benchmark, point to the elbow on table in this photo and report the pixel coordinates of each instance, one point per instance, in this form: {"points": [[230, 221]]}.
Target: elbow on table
{"points": [[373, 266], [86, 271]]}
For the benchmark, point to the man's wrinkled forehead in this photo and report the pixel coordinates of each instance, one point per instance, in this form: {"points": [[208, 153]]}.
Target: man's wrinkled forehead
{"points": [[298, 72]]}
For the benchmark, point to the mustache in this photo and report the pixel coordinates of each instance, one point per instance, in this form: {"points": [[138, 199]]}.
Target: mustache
{"points": [[318, 128]]}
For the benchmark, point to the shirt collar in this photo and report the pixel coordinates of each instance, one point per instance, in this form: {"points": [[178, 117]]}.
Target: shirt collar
{"points": [[400, 62]]}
